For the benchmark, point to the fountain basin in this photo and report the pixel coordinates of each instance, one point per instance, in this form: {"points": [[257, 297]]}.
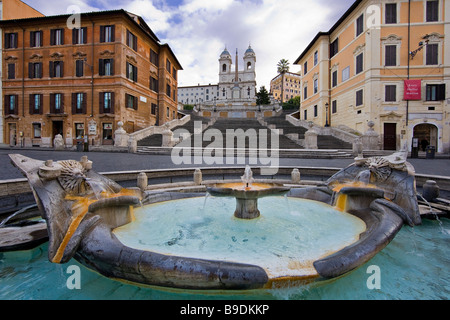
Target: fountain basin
{"points": [[85, 224]]}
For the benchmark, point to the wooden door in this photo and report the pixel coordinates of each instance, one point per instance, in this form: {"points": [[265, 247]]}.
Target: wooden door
{"points": [[390, 136]]}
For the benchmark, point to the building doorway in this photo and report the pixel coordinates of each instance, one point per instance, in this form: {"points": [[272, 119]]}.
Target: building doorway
{"points": [[57, 128], [426, 134], [12, 129], [390, 136]]}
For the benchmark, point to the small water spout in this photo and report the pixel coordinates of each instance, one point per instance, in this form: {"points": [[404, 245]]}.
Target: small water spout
{"points": [[247, 178], [2, 224], [98, 187]]}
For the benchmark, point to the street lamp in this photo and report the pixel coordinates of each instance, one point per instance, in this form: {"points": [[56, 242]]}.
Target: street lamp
{"points": [[326, 114]]}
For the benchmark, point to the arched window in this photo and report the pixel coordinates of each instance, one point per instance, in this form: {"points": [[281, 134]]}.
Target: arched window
{"points": [[224, 68], [249, 65]]}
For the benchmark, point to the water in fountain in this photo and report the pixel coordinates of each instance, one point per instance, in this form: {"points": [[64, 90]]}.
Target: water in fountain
{"points": [[247, 178], [98, 187]]}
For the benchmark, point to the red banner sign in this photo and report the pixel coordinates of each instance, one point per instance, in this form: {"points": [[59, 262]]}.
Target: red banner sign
{"points": [[413, 90]]}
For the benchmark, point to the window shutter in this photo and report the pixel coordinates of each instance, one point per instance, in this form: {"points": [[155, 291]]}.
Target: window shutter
{"points": [[75, 35], [74, 103], [61, 63], [40, 70], [52, 103], [41, 38], [84, 103], [15, 40], [62, 36], [101, 67], [41, 106], [30, 70], [127, 72], [61, 110], [440, 92], [7, 40], [135, 43], [84, 34], [111, 109], [51, 69], [102, 33], [135, 76], [135, 103], [112, 66], [128, 38], [113, 33], [32, 39], [30, 96], [52, 37], [101, 102]]}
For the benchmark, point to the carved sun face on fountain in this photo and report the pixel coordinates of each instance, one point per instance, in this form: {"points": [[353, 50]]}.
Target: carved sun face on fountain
{"points": [[73, 177]]}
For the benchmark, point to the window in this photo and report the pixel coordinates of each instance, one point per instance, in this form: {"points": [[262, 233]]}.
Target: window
{"points": [[432, 11], [346, 74], [167, 112], [334, 106], [154, 84], [131, 72], [305, 68], [154, 108], [131, 101], [316, 58], [107, 33], [11, 70], [79, 36], [435, 92], [360, 25], [106, 67], [174, 73], [56, 103], [334, 78], [305, 93], [79, 68], [334, 47], [79, 103], [391, 13], [316, 85], [390, 93], [359, 98], [11, 40], [56, 37], [11, 104], [359, 63], [131, 40], [36, 39], [305, 114], [432, 54], [56, 69], [315, 111], [35, 70], [168, 89], [154, 58], [36, 104], [106, 102], [168, 66], [36, 130], [390, 55]]}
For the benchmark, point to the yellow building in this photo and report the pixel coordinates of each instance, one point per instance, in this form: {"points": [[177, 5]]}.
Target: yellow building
{"points": [[291, 86], [386, 62]]}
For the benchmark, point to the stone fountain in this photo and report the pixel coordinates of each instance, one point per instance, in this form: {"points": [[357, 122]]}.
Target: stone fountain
{"points": [[89, 218], [247, 194]]}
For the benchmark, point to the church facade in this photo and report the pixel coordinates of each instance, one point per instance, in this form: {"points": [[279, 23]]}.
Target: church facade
{"points": [[234, 86]]}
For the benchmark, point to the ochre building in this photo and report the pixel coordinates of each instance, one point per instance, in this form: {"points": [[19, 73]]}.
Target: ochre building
{"points": [[383, 61], [79, 75]]}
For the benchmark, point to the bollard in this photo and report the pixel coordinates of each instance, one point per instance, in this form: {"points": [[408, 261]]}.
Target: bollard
{"points": [[197, 177], [295, 176], [142, 181]]}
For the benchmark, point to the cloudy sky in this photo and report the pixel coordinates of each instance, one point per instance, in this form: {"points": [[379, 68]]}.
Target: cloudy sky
{"points": [[198, 30]]}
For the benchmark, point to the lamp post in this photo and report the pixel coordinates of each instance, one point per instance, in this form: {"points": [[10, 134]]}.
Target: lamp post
{"points": [[326, 114]]}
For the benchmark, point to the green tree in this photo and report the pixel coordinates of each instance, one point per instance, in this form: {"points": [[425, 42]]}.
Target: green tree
{"points": [[262, 97], [282, 68]]}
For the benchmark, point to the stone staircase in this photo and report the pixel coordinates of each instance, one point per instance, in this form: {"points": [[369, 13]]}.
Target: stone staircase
{"points": [[289, 139]]}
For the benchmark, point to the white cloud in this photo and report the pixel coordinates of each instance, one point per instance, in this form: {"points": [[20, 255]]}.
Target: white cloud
{"points": [[198, 30]]}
